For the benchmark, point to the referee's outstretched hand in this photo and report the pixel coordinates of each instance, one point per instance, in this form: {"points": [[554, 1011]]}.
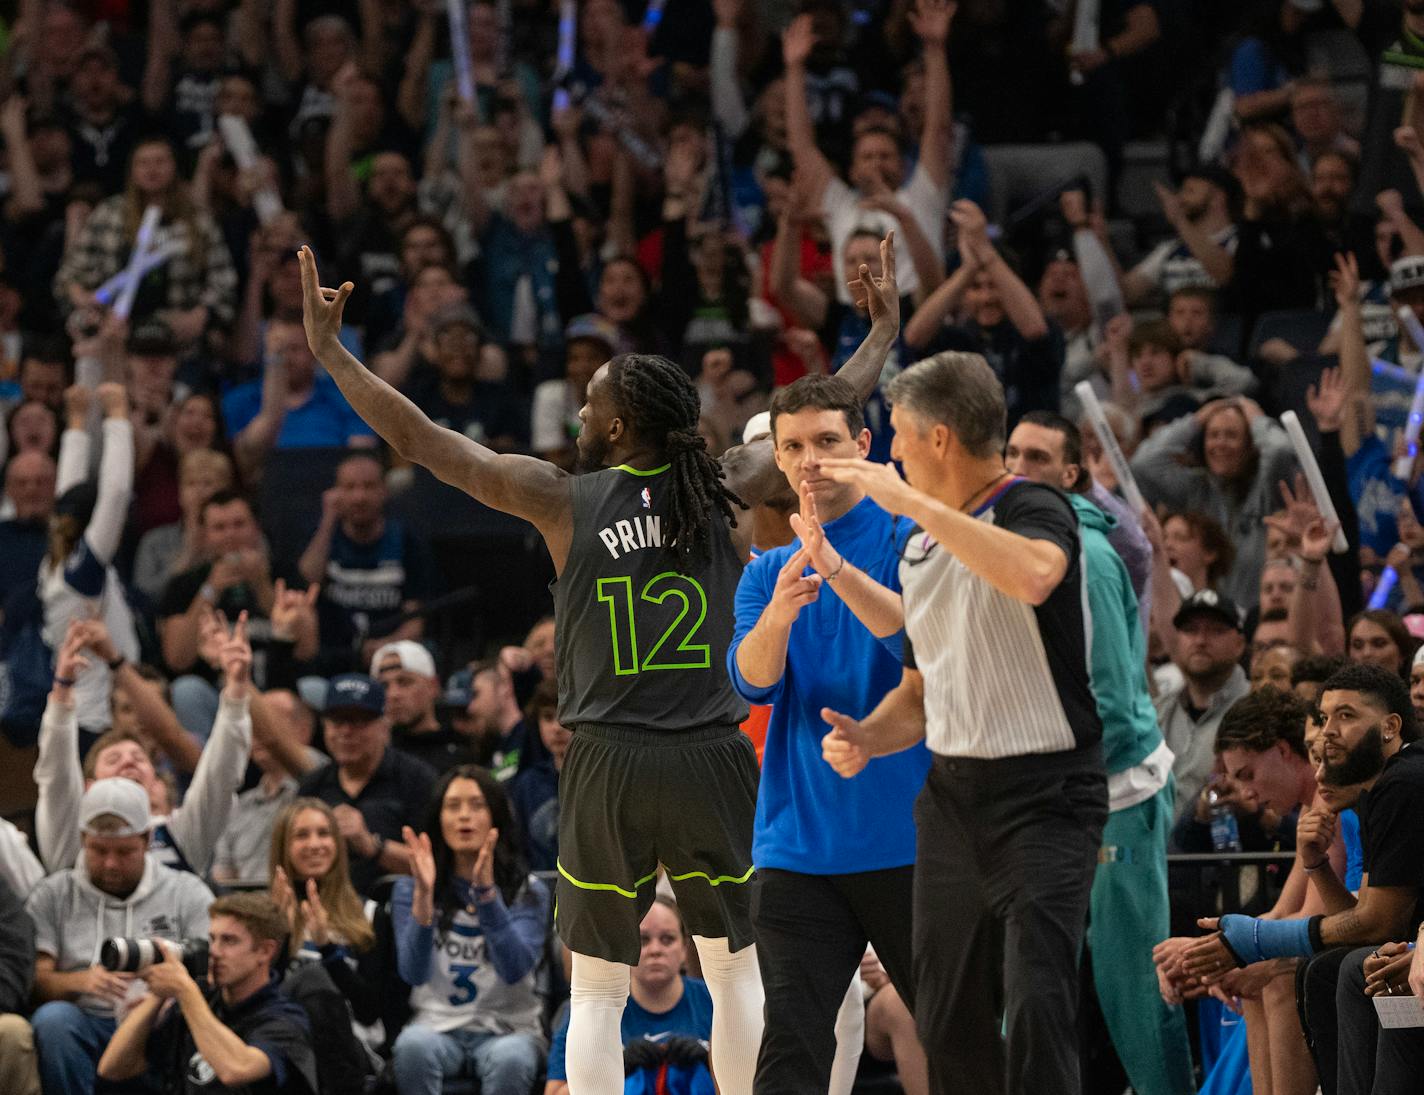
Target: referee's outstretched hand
{"points": [[847, 747]]}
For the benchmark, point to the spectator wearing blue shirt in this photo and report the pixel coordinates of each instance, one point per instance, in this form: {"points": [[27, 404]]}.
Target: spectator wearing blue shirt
{"points": [[295, 405], [667, 1020], [819, 624]]}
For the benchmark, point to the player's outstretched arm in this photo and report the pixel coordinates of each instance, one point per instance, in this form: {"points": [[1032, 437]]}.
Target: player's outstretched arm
{"points": [[751, 471], [533, 489]]}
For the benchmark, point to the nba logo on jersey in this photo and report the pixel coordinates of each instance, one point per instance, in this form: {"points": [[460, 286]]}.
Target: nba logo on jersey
{"points": [[647, 498]]}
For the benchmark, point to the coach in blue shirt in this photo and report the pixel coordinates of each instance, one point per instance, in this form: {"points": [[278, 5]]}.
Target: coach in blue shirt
{"points": [[819, 624]]}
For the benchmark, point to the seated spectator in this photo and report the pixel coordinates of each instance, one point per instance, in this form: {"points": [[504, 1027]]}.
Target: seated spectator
{"points": [[890, 1034], [232, 575], [242, 849], [19, 1071], [876, 162], [198, 285], [78, 575], [294, 406], [115, 890], [467, 393], [32, 426], [1208, 644], [471, 926], [19, 867], [334, 970], [407, 673], [42, 375], [1315, 118], [373, 787], [1004, 321], [169, 550], [1198, 549], [29, 496], [1272, 668], [1238, 456], [407, 350], [370, 566], [184, 835], [589, 341], [239, 1031], [534, 791], [1368, 722], [668, 1018], [1378, 637], [1282, 253], [1203, 216], [497, 722]]}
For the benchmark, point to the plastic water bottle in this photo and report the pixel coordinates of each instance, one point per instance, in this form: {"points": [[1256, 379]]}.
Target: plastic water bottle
{"points": [[1225, 834]]}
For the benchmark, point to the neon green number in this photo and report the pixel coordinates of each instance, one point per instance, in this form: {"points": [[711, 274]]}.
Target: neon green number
{"points": [[617, 594], [698, 655], [621, 597]]}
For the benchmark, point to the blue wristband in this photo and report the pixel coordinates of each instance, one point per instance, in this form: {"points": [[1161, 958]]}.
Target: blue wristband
{"points": [[1252, 939]]}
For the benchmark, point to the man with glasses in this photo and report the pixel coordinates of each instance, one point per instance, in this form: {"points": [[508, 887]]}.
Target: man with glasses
{"points": [[996, 680]]}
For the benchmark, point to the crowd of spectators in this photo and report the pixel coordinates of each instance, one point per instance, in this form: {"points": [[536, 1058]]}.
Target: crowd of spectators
{"points": [[1210, 213]]}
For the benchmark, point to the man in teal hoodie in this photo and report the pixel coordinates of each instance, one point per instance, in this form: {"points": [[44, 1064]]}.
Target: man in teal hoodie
{"points": [[1129, 911]]}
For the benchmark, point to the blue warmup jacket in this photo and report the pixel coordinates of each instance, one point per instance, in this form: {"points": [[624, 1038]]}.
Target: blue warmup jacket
{"points": [[809, 819]]}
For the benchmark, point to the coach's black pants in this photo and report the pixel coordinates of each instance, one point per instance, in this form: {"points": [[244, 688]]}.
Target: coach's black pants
{"points": [[1006, 854], [811, 932]]}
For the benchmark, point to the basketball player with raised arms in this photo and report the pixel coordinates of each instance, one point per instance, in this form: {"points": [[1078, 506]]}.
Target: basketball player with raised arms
{"points": [[647, 552]]}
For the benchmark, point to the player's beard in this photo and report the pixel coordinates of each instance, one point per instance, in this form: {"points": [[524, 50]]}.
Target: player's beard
{"points": [[1364, 761], [592, 454]]}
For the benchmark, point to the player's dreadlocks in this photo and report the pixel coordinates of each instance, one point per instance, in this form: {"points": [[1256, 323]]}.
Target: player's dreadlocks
{"points": [[662, 408]]}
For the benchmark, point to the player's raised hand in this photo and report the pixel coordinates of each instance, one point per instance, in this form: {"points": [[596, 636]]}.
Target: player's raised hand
{"points": [[846, 748], [321, 307]]}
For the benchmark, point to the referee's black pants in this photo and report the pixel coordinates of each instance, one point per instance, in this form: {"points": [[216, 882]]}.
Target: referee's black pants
{"points": [[1006, 854], [811, 932]]}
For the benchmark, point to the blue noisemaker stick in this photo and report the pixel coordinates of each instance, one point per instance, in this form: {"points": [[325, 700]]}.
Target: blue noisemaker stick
{"points": [[143, 246], [155, 258], [460, 48], [564, 61], [653, 16], [1405, 464], [1387, 579]]}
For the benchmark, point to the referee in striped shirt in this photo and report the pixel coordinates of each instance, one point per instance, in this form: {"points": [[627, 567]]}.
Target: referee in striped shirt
{"points": [[996, 681]]}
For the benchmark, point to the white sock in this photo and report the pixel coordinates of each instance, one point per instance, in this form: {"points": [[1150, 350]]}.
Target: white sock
{"points": [[594, 1054], [850, 1038], [738, 1003]]}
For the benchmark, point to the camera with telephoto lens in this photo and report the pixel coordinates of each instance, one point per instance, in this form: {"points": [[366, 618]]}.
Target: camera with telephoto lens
{"points": [[122, 955]]}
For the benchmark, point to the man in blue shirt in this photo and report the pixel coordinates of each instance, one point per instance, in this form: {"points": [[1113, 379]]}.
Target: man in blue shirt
{"points": [[303, 411], [819, 625]]}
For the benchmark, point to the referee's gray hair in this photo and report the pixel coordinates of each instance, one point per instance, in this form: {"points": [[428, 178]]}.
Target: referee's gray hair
{"points": [[957, 390]]}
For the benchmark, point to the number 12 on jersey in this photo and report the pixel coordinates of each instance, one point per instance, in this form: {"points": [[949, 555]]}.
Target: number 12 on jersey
{"points": [[617, 594]]}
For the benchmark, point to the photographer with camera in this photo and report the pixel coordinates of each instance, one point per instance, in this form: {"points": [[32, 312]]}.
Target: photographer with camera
{"points": [[117, 889], [237, 1033]]}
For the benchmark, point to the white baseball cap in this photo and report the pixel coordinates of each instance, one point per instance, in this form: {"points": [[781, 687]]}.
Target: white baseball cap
{"points": [[411, 655], [758, 425], [118, 797]]}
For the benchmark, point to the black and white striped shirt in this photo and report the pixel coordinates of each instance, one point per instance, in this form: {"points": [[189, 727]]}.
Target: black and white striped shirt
{"points": [[1002, 678]]}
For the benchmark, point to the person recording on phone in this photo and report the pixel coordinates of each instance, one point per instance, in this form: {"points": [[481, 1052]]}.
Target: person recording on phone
{"points": [[235, 1032], [117, 890]]}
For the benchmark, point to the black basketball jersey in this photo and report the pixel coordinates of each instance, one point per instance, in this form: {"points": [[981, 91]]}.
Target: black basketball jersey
{"points": [[640, 644]]}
